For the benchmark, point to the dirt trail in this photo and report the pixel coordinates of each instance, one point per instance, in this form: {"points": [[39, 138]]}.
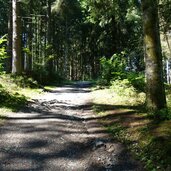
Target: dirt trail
{"points": [[59, 132]]}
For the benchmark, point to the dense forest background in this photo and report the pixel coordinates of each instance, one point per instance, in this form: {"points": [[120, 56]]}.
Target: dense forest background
{"points": [[86, 40], [71, 37], [123, 48]]}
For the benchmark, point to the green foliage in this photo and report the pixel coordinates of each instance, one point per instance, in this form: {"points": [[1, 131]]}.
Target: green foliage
{"points": [[27, 51], [24, 81], [116, 20], [155, 147], [132, 86], [4, 16], [3, 53], [150, 141], [82, 32], [43, 76], [66, 9], [113, 68], [163, 114], [13, 101], [137, 80], [113, 72], [117, 130], [101, 12], [102, 82], [40, 73], [164, 10], [154, 151], [123, 88], [15, 91]]}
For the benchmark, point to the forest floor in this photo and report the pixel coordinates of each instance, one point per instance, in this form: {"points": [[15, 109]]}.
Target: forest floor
{"points": [[58, 131], [127, 120]]}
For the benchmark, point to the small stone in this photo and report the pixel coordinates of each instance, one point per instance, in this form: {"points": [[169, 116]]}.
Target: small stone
{"points": [[111, 149], [99, 144]]}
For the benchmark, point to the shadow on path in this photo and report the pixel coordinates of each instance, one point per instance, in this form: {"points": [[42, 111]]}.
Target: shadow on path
{"points": [[60, 135]]}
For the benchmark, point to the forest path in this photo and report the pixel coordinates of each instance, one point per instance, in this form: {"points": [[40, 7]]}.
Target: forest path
{"points": [[58, 132]]}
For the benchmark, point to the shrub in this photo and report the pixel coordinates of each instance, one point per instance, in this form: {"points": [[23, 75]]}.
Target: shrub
{"points": [[3, 53], [123, 88], [24, 81], [163, 114], [113, 67], [137, 80]]}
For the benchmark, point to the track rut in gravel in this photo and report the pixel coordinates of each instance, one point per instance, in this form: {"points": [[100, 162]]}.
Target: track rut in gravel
{"points": [[58, 132]]}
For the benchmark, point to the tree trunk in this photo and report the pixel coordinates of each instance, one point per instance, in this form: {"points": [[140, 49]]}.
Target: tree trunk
{"points": [[66, 49], [49, 37], [9, 43], [30, 39], [155, 93], [16, 39]]}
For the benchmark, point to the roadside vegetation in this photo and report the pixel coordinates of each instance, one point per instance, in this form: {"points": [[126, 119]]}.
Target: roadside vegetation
{"points": [[120, 107], [15, 92]]}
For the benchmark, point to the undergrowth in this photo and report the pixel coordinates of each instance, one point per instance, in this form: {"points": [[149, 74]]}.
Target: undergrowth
{"points": [[15, 92], [121, 110], [11, 100]]}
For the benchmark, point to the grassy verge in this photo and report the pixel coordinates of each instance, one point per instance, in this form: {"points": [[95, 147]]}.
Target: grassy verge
{"points": [[125, 118], [15, 93]]}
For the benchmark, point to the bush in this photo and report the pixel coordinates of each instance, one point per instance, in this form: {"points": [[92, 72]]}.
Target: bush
{"points": [[3, 95], [123, 88], [11, 100], [24, 81], [137, 80], [163, 114], [3, 53], [114, 67]]}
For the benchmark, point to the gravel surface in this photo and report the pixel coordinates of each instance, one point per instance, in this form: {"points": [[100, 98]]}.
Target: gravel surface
{"points": [[58, 132]]}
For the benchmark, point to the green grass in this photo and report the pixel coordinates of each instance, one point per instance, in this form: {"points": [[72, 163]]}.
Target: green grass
{"points": [[15, 93], [14, 101], [127, 120], [49, 88]]}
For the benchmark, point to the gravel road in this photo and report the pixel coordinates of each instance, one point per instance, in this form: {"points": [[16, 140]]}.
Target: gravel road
{"points": [[58, 132]]}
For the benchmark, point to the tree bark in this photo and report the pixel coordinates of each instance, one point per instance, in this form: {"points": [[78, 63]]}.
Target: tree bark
{"points": [[30, 39], [49, 38], [9, 43], [16, 39], [155, 92]]}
